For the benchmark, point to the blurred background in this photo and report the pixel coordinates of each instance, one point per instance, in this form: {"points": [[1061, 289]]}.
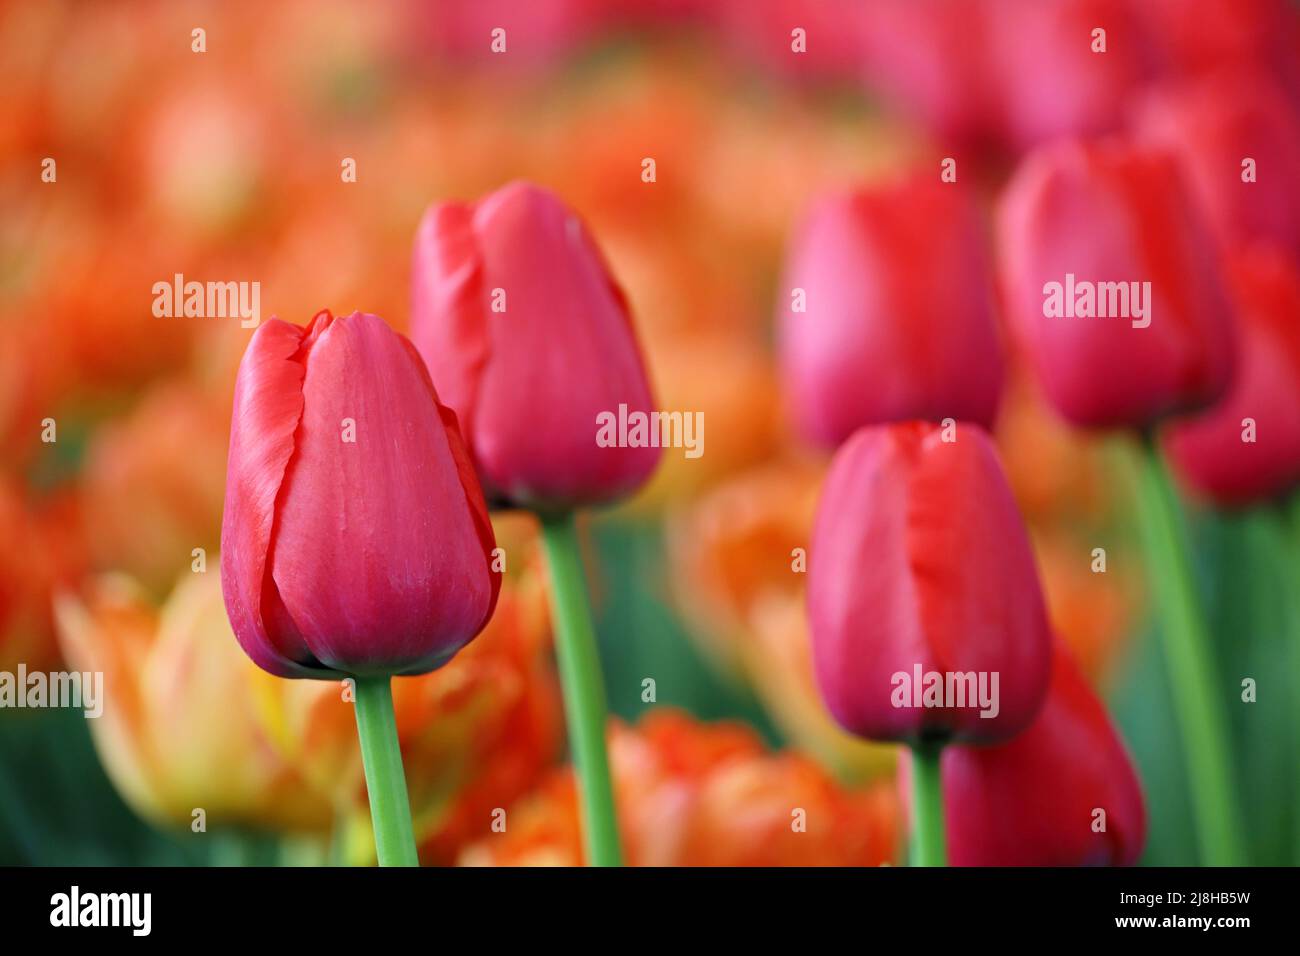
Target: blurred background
{"points": [[226, 164]]}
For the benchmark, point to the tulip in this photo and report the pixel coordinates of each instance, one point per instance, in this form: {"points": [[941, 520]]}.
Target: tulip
{"points": [[167, 671], [355, 539], [694, 794], [921, 568], [1247, 448], [474, 736], [528, 338], [737, 555], [1063, 793], [867, 334], [1089, 222], [1077, 216], [1009, 72], [1238, 138]]}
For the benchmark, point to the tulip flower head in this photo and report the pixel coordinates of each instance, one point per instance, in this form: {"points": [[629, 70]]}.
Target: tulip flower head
{"points": [[355, 538], [1063, 793], [1111, 281], [528, 338], [888, 314], [1238, 138], [928, 622], [1247, 447]]}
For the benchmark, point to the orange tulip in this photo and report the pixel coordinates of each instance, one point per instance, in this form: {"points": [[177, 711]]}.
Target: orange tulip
{"points": [[692, 794], [179, 731], [738, 557], [474, 736]]}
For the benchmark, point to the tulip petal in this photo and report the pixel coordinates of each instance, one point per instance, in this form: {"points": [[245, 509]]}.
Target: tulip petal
{"points": [[268, 406], [448, 271], [355, 509]]}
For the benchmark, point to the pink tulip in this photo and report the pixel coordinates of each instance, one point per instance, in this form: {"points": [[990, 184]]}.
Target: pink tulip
{"points": [[1247, 447], [1063, 793], [886, 311], [355, 538], [920, 565], [1115, 224], [529, 340], [1239, 140]]}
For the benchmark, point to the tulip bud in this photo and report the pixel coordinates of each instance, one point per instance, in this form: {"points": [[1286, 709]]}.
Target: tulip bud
{"points": [[355, 538], [1063, 793], [1247, 447], [1239, 141], [1112, 284], [528, 338], [868, 332], [928, 623]]}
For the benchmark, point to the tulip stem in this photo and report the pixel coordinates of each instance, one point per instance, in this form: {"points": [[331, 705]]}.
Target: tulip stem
{"points": [[390, 809], [584, 692], [1198, 704], [929, 846]]}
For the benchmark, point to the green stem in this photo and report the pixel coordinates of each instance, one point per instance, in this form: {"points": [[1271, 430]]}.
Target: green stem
{"points": [[584, 693], [1291, 588], [390, 810], [929, 847], [1197, 705]]}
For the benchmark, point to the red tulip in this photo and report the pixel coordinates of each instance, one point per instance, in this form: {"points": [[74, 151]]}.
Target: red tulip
{"points": [[528, 339], [1110, 229], [920, 565], [869, 332], [1216, 125], [1035, 800], [1050, 82], [355, 539], [1247, 447], [1016, 72]]}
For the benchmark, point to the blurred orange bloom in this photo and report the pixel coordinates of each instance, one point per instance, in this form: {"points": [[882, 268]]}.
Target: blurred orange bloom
{"points": [[738, 559], [149, 505], [43, 552], [693, 794], [1073, 495], [475, 734], [179, 730]]}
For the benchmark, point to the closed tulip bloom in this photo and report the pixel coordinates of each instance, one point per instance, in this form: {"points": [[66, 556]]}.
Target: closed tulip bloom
{"points": [[1239, 140], [355, 538], [869, 334], [529, 340], [1039, 799], [1247, 447], [920, 565], [1112, 284]]}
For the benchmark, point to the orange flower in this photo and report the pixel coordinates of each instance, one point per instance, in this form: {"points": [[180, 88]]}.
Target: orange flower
{"points": [[474, 736], [178, 732], [148, 507], [738, 557], [692, 794], [44, 552]]}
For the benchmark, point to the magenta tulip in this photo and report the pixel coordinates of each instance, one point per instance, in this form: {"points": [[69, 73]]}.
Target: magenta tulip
{"points": [[529, 340], [1063, 793], [886, 311], [1112, 281], [922, 586], [1246, 449], [355, 538], [1238, 137]]}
